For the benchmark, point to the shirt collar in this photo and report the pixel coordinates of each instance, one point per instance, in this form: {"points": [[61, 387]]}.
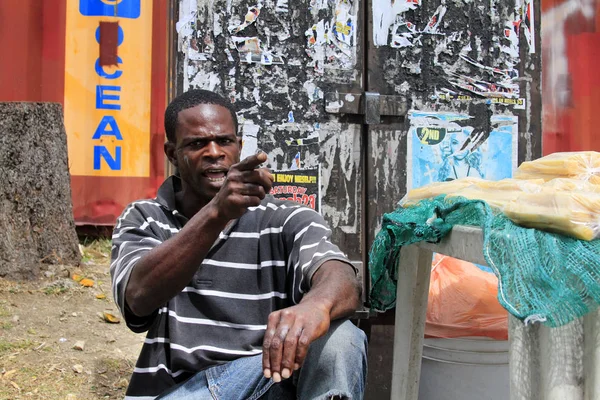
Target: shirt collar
{"points": [[166, 195]]}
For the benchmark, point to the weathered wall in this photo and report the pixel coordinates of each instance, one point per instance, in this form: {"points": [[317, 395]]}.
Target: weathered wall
{"points": [[462, 66], [36, 218], [274, 61]]}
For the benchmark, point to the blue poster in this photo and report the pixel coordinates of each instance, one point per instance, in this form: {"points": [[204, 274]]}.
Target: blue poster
{"points": [[444, 146]]}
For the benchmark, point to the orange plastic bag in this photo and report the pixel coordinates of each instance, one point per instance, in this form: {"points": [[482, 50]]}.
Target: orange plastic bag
{"points": [[463, 301]]}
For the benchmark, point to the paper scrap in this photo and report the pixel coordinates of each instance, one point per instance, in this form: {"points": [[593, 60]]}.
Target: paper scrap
{"points": [[249, 19]]}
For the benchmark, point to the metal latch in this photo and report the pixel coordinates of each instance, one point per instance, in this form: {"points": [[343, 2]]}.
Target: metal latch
{"points": [[370, 104]]}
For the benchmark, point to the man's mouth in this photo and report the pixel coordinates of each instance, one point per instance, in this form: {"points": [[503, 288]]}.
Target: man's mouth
{"points": [[215, 175]]}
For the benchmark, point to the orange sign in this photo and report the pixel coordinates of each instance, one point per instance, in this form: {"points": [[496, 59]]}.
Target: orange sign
{"points": [[107, 109]]}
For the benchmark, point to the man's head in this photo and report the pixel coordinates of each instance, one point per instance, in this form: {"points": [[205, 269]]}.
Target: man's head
{"points": [[191, 99], [202, 142]]}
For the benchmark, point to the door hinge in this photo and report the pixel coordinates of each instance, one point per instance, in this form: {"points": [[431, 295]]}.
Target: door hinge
{"points": [[370, 104]]}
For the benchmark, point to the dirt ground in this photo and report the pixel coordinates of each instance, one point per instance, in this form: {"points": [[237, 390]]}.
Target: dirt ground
{"points": [[41, 323]]}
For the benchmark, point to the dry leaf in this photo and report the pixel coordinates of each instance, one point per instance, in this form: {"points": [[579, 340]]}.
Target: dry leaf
{"points": [[86, 282], [122, 383], [77, 278], [108, 317], [100, 296], [15, 386], [78, 368], [9, 373]]}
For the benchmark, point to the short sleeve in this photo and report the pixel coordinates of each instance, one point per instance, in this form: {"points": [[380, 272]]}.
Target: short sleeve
{"points": [[308, 240], [132, 238]]}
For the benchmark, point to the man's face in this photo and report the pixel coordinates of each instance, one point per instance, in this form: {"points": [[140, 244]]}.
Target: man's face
{"points": [[207, 146]]}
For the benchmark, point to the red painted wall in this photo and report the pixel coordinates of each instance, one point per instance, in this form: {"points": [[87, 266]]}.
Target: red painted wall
{"points": [[32, 48], [571, 75]]}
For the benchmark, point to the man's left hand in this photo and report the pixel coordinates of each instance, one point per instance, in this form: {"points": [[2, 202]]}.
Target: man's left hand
{"points": [[289, 333]]}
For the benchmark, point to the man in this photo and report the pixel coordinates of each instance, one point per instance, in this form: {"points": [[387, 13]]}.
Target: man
{"points": [[243, 296]]}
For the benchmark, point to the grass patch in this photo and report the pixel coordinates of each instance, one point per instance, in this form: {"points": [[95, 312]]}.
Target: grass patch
{"points": [[7, 325], [6, 346], [38, 383], [114, 365], [56, 289], [3, 311], [96, 250]]}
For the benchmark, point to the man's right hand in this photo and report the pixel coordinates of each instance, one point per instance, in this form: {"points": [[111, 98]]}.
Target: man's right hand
{"points": [[245, 186]]}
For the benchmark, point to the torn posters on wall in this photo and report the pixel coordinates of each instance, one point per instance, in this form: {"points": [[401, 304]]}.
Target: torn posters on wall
{"points": [[249, 139], [450, 95], [332, 43], [250, 48], [501, 86], [387, 13], [300, 186], [390, 25], [524, 16], [447, 146]]}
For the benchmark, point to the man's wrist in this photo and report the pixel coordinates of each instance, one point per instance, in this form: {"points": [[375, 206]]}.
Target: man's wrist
{"points": [[212, 214], [322, 304]]}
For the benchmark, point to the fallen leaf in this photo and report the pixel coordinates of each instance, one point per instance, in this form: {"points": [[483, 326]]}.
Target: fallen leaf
{"points": [[15, 386], [122, 383], [86, 282], [9, 373], [111, 319], [100, 296], [77, 278], [78, 368]]}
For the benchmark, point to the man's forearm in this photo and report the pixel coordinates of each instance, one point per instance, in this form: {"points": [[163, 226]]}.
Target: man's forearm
{"points": [[336, 289], [166, 270]]}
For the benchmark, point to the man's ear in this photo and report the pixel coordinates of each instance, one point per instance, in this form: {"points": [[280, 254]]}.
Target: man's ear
{"points": [[240, 141], [170, 153]]}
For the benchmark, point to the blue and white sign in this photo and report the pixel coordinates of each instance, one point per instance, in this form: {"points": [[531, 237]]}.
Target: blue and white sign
{"points": [[110, 8], [443, 146]]}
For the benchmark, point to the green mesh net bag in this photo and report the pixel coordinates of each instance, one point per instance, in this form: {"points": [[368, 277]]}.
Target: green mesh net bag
{"points": [[541, 276]]}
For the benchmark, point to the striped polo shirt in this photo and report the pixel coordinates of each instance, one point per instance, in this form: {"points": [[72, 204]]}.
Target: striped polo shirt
{"points": [[260, 263]]}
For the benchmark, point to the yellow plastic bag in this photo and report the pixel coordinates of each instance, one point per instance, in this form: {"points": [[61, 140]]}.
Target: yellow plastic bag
{"points": [[572, 214], [498, 193], [583, 165], [463, 302], [435, 189], [570, 185]]}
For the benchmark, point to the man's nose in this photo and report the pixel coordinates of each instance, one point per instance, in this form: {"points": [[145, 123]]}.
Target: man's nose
{"points": [[213, 150]]}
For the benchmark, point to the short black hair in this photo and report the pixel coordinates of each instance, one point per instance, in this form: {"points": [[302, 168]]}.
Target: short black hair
{"points": [[193, 98]]}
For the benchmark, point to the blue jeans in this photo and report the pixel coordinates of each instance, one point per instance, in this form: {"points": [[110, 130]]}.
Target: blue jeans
{"points": [[335, 365]]}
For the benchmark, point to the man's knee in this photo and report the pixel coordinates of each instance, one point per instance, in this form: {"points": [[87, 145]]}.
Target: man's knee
{"points": [[344, 338]]}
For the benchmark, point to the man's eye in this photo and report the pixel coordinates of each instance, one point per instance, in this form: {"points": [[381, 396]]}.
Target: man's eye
{"points": [[225, 141], [197, 144]]}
